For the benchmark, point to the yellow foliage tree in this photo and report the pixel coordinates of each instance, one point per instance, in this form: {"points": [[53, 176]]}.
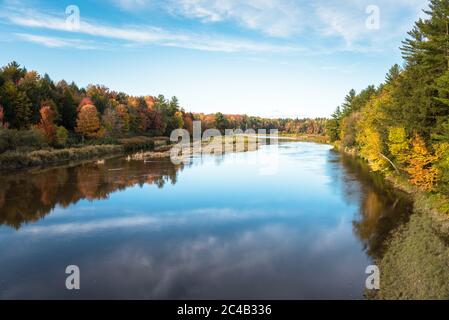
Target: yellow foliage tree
{"points": [[420, 168], [88, 122], [371, 148], [179, 121], [398, 144], [368, 137]]}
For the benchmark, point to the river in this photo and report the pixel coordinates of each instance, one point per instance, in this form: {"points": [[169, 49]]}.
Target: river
{"points": [[221, 227]]}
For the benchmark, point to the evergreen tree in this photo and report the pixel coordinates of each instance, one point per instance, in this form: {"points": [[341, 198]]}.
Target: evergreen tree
{"points": [[347, 105], [67, 110], [393, 74], [17, 106]]}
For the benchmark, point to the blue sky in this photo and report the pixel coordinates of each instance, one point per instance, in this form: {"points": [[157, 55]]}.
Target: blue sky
{"points": [[273, 58]]}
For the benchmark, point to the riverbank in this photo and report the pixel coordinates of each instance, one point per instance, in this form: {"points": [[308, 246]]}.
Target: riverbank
{"points": [[137, 148], [423, 237], [432, 203], [15, 160], [21, 159], [307, 137]]}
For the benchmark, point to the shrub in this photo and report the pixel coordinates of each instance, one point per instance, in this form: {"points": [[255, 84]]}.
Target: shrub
{"points": [[137, 143], [11, 139], [61, 136], [102, 141]]}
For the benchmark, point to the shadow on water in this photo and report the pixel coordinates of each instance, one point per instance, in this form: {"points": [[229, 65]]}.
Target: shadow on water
{"points": [[381, 208], [406, 245]]}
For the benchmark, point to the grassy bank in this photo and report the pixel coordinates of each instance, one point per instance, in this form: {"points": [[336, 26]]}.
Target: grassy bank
{"points": [[23, 158], [13, 160], [432, 203], [415, 264], [317, 138], [139, 143]]}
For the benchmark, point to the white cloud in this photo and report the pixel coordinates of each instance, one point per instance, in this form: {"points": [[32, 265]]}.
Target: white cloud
{"points": [[272, 17], [91, 226], [335, 22], [54, 42], [288, 18], [318, 27], [139, 35]]}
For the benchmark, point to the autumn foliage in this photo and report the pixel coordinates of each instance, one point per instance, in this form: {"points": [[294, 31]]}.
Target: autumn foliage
{"points": [[420, 169], [85, 102], [88, 122], [46, 124]]}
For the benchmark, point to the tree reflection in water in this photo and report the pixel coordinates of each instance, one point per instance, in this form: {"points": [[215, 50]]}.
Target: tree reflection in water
{"points": [[382, 208], [30, 196], [410, 251]]}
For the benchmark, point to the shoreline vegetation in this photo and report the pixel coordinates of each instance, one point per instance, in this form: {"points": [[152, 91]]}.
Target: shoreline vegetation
{"points": [[401, 129], [37, 114], [135, 148], [424, 237], [51, 157], [316, 138]]}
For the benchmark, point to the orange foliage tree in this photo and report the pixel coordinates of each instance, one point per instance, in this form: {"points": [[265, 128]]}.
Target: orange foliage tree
{"points": [[46, 124], [88, 122], [122, 118], [420, 169], [85, 102]]}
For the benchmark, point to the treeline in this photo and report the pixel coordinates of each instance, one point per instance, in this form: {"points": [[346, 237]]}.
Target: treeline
{"points": [[39, 111], [403, 124], [291, 126], [36, 112]]}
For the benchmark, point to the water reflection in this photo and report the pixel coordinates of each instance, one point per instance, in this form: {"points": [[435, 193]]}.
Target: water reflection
{"points": [[30, 196], [215, 229], [382, 209]]}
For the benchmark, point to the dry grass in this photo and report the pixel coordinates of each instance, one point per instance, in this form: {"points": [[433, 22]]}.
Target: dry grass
{"points": [[18, 160]]}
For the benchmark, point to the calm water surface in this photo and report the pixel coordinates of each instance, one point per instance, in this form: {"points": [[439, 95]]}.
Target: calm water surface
{"points": [[216, 228]]}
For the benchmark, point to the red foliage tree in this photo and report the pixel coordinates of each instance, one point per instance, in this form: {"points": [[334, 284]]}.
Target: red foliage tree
{"points": [[188, 122], [85, 102]]}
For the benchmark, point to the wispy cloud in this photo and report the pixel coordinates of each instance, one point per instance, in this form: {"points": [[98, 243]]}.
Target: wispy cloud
{"points": [[86, 227], [289, 18], [139, 35], [55, 42], [272, 17], [287, 25]]}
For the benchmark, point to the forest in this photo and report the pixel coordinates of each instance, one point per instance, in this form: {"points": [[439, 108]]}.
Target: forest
{"points": [[402, 125], [37, 113]]}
